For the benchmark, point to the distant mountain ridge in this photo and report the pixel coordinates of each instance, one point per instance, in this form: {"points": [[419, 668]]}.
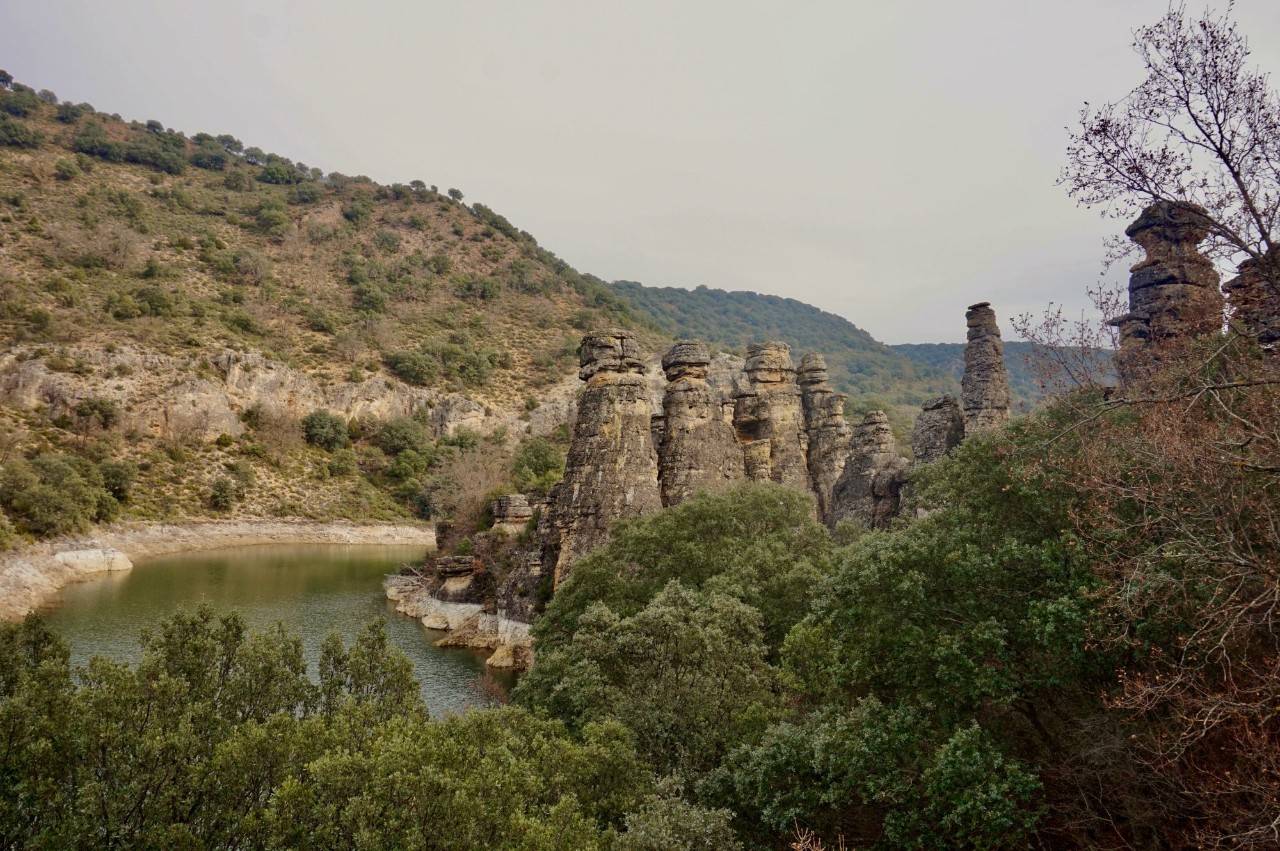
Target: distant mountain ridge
{"points": [[870, 371]]}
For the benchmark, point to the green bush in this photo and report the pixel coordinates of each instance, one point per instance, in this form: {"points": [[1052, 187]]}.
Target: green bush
{"points": [[279, 173], [537, 466], [343, 463], [223, 494], [402, 434], [326, 430], [413, 367], [17, 135], [56, 494]]}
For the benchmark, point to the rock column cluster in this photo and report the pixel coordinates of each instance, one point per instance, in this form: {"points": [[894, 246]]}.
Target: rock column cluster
{"points": [[828, 433], [770, 410], [698, 449], [1173, 291], [984, 388], [611, 471]]}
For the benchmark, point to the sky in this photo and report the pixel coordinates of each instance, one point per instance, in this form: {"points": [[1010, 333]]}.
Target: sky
{"points": [[889, 162]]}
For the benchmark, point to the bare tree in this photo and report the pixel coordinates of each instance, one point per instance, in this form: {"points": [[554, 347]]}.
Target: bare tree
{"points": [[1203, 129]]}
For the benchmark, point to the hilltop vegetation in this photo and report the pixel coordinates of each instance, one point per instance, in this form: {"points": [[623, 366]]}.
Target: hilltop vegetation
{"points": [[866, 369]]}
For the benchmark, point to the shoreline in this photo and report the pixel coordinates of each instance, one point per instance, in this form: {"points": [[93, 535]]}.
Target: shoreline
{"points": [[32, 575]]}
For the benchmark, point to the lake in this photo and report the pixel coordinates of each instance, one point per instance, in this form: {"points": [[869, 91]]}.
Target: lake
{"points": [[313, 589]]}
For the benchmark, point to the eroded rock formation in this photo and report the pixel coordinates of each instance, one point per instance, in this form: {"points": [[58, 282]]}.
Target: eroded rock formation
{"points": [[938, 429], [511, 513], [698, 450], [769, 409], [1254, 297], [984, 388], [825, 427], [1173, 291], [870, 487], [611, 470]]}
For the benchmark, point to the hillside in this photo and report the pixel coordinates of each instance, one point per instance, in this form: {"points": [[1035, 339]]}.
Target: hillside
{"points": [[178, 304]]}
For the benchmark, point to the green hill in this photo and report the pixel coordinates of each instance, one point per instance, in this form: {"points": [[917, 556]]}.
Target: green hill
{"points": [[872, 373]]}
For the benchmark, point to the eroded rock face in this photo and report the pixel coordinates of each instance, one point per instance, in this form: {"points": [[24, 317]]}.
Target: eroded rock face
{"points": [[939, 428], [984, 388], [825, 427], [770, 409], [611, 470], [1173, 292], [1254, 297], [870, 487], [511, 513], [698, 450]]}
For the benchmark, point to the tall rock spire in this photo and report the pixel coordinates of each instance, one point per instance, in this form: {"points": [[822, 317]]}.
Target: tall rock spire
{"points": [[698, 450], [1254, 297], [611, 470], [828, 433], [984, 389], [770, 410]]}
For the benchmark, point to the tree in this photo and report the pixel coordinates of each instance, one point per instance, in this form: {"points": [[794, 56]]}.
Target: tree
{"points": [[455, 194], [1203, 129], [326, 430]]}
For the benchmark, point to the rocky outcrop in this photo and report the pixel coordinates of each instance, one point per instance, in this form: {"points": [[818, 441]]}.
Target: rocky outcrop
{"points": [[697, 449], [825, 428], [511, 513], [938, 429], [870, 487], [611, 470], [1254, 298], [769, 409], [1173, 291], [984, 388]]}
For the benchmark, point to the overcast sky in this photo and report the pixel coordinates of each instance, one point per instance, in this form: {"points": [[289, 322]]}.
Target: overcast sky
{"points": [[890, 162]]}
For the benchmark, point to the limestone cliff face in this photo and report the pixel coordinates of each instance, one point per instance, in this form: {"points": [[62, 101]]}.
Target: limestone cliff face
{"points": [[938, 429], [1254, 297], [984, 388], [1173, 291], [825, 427], [611, 471], [697, 449], [769, 408], [869, 489]]}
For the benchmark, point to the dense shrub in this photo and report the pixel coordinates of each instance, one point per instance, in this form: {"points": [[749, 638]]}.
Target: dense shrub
{"points": [[326, 430], [15, 134], [20, 102], [223, 494], [403, 434], [55, 494], [537, 466]]}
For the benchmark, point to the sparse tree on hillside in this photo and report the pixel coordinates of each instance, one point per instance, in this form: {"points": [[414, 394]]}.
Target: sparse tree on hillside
{"points": [[1203, 128], [455, 194]]}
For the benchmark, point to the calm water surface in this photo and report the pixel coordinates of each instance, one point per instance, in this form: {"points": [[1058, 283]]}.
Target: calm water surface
{"points": [[313, 589]]}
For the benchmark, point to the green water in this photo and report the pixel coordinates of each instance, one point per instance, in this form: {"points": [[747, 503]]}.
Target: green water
{"points": [[314, 590]]}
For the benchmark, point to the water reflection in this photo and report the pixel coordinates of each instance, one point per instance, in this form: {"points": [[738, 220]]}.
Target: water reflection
{"points": [[313, 589]]}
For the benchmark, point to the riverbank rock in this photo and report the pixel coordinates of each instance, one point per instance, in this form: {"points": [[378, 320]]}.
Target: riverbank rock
{"points": [[511, 513]]}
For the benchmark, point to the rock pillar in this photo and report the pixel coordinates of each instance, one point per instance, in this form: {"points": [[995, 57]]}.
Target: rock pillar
{"points": [[771, 410], [825, 427], [1254, 297], [611, 470], [870, 487], [698, 449], [984, 388], [1173, 292], [939, 428]]}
